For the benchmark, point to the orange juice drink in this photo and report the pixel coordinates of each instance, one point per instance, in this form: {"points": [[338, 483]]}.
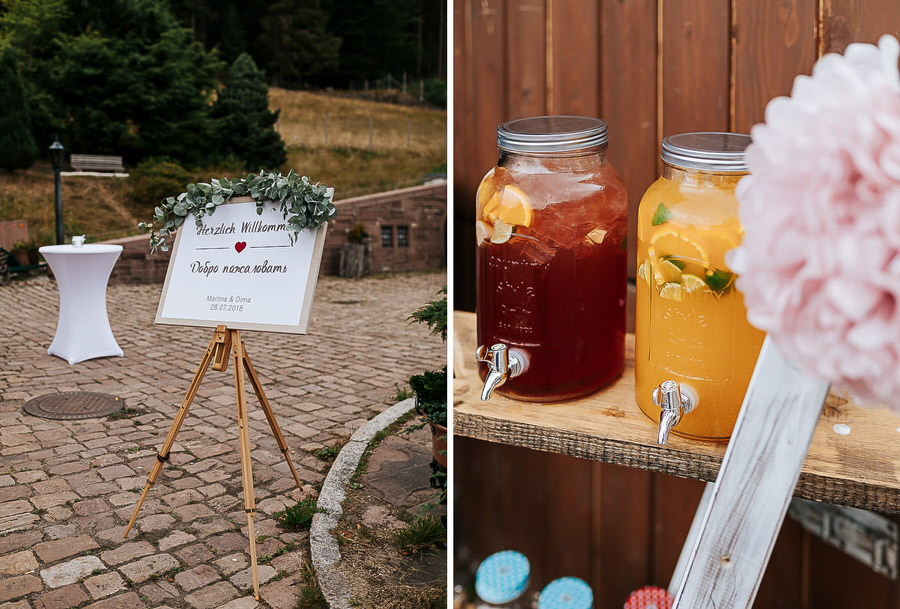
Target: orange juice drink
{"points": [[691, 325]]}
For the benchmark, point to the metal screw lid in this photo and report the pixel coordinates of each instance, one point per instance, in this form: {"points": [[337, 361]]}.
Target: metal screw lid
{"points": [[566, 593], [706, 151], [540, 134], [502, 577]]}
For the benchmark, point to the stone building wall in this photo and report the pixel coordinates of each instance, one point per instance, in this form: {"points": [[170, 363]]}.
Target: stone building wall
{"points": [[413, 220]]}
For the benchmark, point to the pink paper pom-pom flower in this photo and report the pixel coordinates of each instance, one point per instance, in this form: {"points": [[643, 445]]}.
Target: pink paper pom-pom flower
{"points": [[819, 264]]}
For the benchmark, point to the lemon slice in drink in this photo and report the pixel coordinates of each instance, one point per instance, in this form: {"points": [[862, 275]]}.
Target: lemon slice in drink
{"points": [[672, 291], [643, 271], [597, 235], [512, 207], [673, 246], [666, 271], [483, 231], [502, 232], [692, 283]]}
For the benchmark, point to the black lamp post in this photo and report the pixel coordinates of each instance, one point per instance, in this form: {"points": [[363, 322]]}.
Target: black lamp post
{"points": [[56, 157]]}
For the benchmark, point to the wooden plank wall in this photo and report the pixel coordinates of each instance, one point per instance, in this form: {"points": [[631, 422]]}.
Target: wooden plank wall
{"points": [[650, 68]]}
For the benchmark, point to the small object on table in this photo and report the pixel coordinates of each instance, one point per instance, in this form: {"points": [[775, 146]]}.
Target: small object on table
{"points": [[81, 273], [566, 593], [649, 597]]}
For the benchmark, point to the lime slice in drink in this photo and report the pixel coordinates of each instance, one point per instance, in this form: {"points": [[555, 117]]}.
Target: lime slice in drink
{"points": [[666, 271], [692, 283], [672, 291]]}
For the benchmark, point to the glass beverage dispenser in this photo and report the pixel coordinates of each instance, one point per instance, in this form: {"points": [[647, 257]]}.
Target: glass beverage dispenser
{"points": [[551, 261], [694, 349]]}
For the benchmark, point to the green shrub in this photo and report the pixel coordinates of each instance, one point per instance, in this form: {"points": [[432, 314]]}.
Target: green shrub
{"points": [[358, 234], [298, 517], [424, 535], [155, 179], [17, 145], [431, 387], [436, 92]]}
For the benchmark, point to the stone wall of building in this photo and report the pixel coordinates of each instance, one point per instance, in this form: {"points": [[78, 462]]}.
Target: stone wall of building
{"points": [[407, 231]]}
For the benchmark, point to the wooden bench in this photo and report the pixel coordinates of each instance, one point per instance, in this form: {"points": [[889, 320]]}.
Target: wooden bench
{"points": [[97, 165]]}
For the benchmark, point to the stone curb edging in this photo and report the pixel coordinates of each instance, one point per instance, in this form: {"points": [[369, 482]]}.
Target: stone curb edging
{"points": [[323, 546]]}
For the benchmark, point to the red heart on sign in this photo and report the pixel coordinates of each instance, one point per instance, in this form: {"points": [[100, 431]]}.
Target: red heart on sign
{"points": [[239, 246]]}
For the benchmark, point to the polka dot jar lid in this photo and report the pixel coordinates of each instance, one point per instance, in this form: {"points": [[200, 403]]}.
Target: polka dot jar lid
{"points": [[566, 593], [502, 577], [649, 597]]}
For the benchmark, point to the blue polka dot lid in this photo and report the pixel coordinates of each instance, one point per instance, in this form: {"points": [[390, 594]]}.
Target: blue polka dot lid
{"points": [[566, 593], [502, 577]]}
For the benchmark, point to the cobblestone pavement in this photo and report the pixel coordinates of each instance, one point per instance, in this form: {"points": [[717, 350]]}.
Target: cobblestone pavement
{"points": [[67, 488]]}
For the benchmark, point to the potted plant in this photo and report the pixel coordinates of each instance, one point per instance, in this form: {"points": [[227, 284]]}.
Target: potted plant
{"points": [[431, 403], [431, 387], [355, 253], [26, 253]]}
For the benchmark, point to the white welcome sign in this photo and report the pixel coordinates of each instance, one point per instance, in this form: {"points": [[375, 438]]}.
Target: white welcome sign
{"points": [[241, 270]]}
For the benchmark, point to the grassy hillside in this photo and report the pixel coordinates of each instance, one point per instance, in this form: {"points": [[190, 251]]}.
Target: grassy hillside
{"points": [[102, 208]]}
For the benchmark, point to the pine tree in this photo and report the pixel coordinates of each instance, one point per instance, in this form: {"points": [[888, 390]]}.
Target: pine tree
{"points": [[295, 44], [113, 76], [17, 147], [244, 125]]}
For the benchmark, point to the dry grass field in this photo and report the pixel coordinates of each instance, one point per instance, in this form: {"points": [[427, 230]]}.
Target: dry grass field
{"points": [[303, 116], [101, 207]]}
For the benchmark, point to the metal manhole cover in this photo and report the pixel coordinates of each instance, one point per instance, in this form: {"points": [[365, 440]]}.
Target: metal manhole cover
{"points": [[73, 405]]}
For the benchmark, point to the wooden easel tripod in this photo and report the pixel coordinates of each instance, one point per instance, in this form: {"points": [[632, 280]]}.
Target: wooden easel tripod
{"points": [[223, 342]]}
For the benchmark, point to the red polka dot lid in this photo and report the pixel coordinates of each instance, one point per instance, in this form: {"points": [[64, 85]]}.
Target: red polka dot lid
{"points": [[649, 597]]}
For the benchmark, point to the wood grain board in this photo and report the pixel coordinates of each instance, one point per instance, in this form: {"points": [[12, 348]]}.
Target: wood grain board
{"points": [[861, 469]]}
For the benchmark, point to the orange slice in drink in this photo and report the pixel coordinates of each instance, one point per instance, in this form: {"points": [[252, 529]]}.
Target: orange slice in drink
{"points": [[486, 189], [511, 207], [718, 242], [490, 207], [672, 246]]}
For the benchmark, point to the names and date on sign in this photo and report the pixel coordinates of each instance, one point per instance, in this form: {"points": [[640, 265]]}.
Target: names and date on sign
{"points": [[242, 269]]}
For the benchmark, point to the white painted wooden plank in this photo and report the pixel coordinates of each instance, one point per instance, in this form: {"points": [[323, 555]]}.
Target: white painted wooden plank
{"points": [[692, 535], [726, 562]]}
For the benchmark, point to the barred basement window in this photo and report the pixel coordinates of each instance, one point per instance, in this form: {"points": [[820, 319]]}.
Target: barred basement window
{"points": [[402, 236], [387, 236]]}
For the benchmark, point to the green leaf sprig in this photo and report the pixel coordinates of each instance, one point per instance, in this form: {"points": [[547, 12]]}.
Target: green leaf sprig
{"points": [[718, 280], [304, 204], [661, 215]]}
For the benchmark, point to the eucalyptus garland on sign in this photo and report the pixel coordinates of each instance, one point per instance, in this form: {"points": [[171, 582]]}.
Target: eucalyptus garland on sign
{"points": [[304, 204]]}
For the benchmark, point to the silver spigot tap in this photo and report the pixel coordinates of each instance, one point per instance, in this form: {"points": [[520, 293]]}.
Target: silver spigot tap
{"points": [[502, 365], [675, 401]]}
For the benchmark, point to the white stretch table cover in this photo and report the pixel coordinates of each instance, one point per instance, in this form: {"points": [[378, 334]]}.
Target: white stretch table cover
{"points": [[81, 273]]}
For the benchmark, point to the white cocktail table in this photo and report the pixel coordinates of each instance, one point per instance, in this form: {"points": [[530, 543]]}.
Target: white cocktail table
{"points": [[81, 273]]}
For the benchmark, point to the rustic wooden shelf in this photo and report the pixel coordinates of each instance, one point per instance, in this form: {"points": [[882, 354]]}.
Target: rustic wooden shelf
{"points": [[861, 469]]}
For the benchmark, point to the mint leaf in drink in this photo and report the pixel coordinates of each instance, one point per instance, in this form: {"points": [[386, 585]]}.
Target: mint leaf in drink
{"points": [[661, 215], [677, 263], [719, 280]]}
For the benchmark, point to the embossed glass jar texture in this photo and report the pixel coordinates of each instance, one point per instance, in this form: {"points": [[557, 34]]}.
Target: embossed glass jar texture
{"points": [[691, 325], [551, 259]]}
